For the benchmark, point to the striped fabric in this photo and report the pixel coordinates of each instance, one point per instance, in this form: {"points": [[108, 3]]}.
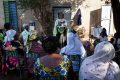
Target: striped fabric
{"points": [[76, 61]]}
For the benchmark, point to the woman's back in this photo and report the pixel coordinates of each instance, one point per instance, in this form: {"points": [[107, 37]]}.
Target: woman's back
{"points": [[98, 73], [51, 66], [100, 66], [51, 61]]}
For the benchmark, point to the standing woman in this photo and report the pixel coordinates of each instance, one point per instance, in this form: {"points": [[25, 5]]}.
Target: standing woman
{"points": [[53, 64], [60, 29], [9, 34], [103, 35], [100, 66], [75, 52]]}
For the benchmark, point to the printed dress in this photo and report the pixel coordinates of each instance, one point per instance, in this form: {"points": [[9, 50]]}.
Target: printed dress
{"points": [[57, 73]]}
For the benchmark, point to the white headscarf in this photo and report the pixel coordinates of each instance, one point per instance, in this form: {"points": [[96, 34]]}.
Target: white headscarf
{"points": [[10, 35], [25, 35], [74, 45], [100, 66]]}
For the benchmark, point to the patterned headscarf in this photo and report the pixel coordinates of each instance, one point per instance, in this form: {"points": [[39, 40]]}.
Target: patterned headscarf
{"points": [[97, 66]]}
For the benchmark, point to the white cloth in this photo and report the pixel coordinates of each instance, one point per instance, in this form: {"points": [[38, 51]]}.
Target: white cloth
{"points": [[100, 66], [74, 46], [59, 23], [95, 31], [9, 35], [25, 35]]}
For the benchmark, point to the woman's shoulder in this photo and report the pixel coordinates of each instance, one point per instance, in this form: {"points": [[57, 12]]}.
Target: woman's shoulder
{"points": [[114, 66]]}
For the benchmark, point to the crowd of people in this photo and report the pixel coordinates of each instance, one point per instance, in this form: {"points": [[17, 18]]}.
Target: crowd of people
{"points": [[47, 59]]}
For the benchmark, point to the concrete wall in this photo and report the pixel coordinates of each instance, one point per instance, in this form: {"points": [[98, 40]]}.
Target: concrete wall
{"points": [[87, 6]]}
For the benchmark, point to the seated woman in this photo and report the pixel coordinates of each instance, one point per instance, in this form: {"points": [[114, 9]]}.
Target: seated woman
{"points": [[100, 66], [52, 65]]}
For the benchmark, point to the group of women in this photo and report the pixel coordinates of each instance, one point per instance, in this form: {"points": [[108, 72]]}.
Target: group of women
{"points": [[68, 63]]}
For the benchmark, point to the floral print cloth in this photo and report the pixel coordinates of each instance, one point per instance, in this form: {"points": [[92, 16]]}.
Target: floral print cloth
{"points": [[61, 70]]}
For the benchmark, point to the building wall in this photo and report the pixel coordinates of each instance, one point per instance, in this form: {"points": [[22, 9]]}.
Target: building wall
{"points": [[2, 19], [87, 6], [1, 14], [90, 11]]}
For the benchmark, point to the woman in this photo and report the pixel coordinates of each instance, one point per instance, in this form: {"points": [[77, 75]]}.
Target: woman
{"points": [[53, 64], [100, 66], [60, 29], [103, 35], [34, 49], [74, 45], [9, 34], [116, 42], [74, 50]]}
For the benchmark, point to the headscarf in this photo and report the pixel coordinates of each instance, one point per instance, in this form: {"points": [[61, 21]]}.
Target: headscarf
{"points": [[25, 35], [33, 35], [9, 35], [97, 66], [103, 33], [74, 45]]}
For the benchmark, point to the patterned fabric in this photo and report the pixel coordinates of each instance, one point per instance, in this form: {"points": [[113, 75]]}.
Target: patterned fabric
{"points": [[10, 59], [13, 57], [61, 29], [33, 55], [100, 66], [36, 47], [11, 54], [59, 23], [58, 71], [76, 61]]}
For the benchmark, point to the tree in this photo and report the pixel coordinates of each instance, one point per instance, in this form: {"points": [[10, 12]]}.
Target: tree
{"points": [[116, 14], [41, 10]]}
